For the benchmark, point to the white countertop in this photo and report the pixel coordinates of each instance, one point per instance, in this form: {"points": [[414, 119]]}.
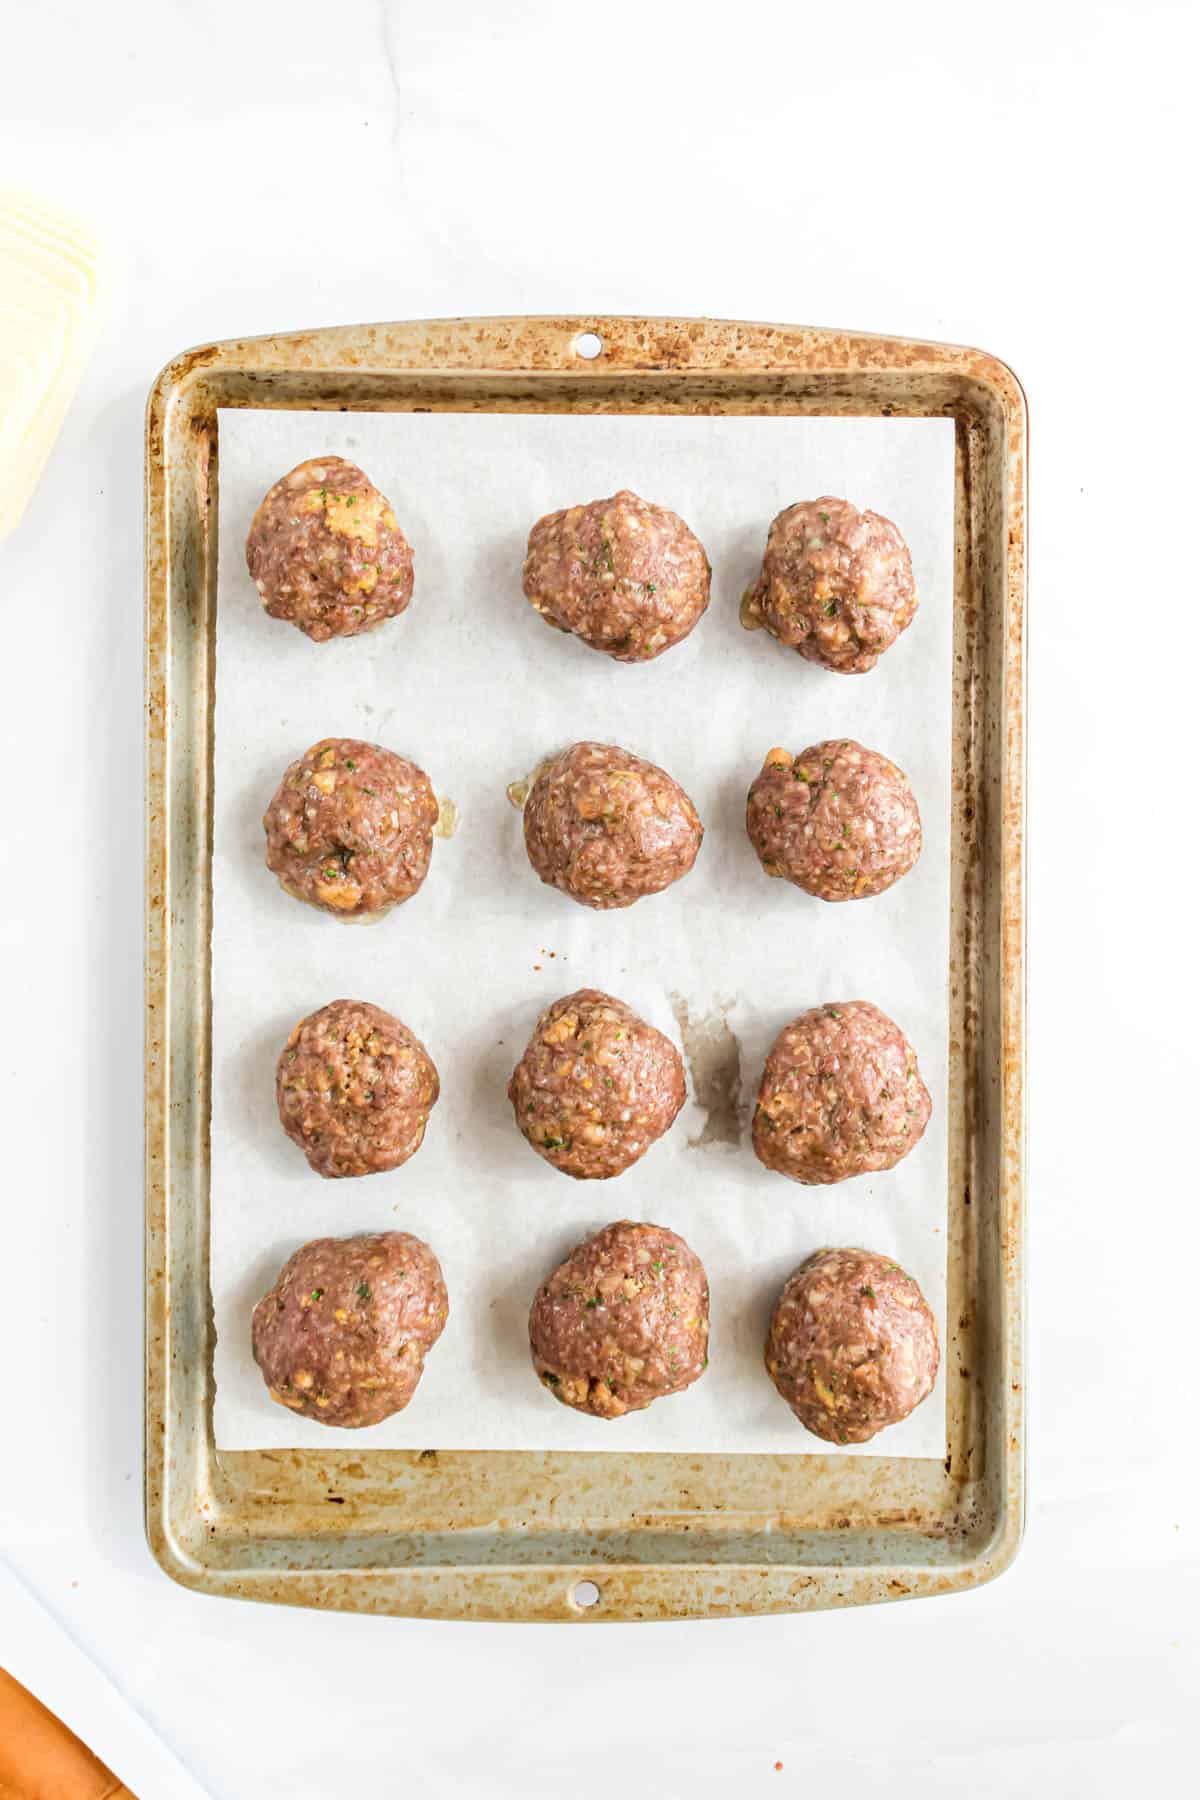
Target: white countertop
{"points": [[1014, 179]]}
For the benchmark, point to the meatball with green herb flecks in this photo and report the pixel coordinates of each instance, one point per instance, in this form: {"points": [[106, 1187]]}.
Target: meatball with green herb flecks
{"points": [[624, 576], [343, 1334], [852, 1345], [838, 820], [326, 553], [836, 585], [350, 828], [622, 1322], [596, 1086], [841, 1095], [606, 828], [355, 1089]]}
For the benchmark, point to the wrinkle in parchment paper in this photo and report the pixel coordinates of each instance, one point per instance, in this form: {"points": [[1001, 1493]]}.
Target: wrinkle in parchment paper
{"points": [[714, 1061]]}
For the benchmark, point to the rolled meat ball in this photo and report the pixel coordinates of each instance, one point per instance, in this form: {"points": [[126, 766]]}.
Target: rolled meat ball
{"points": [[841, 1095], [350, 829], [326, 553], [622, 1322], [343, 1335], [355, 1089], [627, 577], [852, 1346], [607, 828], [596, 1086], [836, 585], [838, 820]]}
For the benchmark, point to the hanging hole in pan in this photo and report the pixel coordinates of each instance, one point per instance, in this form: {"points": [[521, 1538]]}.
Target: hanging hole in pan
{"points": [[588, 345], [585, 1594]]}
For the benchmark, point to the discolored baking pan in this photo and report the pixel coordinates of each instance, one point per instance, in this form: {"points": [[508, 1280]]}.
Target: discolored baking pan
{"points": [[591, 1536]]}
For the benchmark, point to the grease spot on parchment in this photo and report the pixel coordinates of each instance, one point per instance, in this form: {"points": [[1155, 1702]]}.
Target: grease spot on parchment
{"points": [[748, 612], [447, 819], [519, 791], [714, 1055]]}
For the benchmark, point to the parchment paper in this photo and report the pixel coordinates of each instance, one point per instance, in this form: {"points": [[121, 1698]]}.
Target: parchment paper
{"points": [[473, 686]]}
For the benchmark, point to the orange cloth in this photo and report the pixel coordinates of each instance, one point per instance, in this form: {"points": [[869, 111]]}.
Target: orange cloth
{"points": [[41, 1760]]}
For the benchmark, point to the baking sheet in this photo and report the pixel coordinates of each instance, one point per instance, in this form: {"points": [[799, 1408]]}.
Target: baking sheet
{"points": [[474, 687]]}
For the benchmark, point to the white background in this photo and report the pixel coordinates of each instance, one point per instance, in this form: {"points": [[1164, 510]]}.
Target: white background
{"points": [[1014, 177]]}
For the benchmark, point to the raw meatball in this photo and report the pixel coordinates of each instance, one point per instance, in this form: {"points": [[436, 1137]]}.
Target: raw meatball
{"points": [[622, 1322], [836, 585], [343, 1335], [350, 829], [839, 821], [840, 1095], [326, 553], [607, 828], [596, 1085], [355, 1089], [627, 577], [852, 1345]]}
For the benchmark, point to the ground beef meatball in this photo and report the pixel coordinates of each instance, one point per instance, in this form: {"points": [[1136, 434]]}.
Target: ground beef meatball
{"points": [[326, 553], [607, 828], [350, 829], [622, 1322], [836, 585], [853, 1346], [355, 1089], [596, 1086], [839, 821], [627, 577], [343, 1335], [840, 1095]]}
